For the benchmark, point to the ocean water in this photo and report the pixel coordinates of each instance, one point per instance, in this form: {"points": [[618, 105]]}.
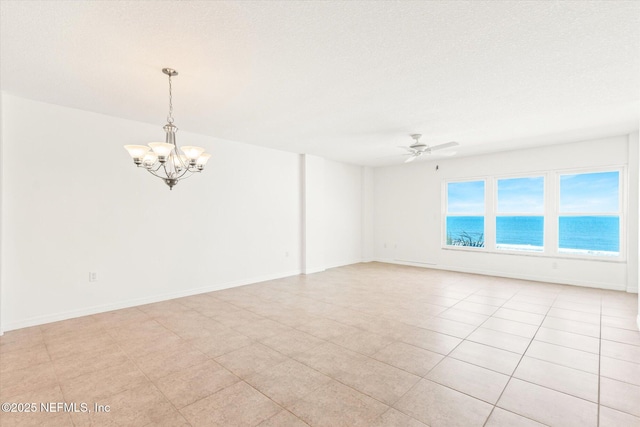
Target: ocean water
{"points": [[458, 227], [594, 233], [582, 233], [520, 230]]}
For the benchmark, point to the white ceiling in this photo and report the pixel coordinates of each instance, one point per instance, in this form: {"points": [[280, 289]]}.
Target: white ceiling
{"points": [[345, 80]]}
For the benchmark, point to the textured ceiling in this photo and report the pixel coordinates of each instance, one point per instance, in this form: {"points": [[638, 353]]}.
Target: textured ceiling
{"points": [[345, 80]]}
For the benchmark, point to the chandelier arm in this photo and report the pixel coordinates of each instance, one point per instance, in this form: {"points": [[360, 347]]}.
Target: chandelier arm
{"points": [[168, 175], [188, 176], [183, 173], [172, 175], [152, 172], [163, 167], [182, 163], [156, 168], [170, 170]]}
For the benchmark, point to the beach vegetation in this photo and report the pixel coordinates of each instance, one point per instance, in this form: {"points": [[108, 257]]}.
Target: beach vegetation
{"points": [[466, 239]]}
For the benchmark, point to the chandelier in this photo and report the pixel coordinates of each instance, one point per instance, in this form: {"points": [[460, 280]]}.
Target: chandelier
{"points": [[162, 159]]}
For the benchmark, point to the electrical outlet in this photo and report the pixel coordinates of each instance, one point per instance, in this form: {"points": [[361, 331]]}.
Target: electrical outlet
{"points": [[93, 276], [554, 265]]}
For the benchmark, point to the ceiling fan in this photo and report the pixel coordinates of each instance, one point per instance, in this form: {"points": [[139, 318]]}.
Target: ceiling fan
{"points": [[418, 148]]}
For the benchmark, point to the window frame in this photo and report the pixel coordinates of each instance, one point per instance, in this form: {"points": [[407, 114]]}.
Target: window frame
{"points": [[551, 213], [497, 214], [446, 214], [622, 208]]}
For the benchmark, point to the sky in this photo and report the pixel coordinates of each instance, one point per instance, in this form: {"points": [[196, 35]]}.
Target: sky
{"points": [[521, 195], [588, 193], [465, 197]]}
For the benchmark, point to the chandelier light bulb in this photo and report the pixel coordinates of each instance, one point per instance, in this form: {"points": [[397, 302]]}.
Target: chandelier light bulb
{"points": [[163, 159], [202, 160], [192, 152], [149, 159], [180, 162], [137, 151], [162, 149]]}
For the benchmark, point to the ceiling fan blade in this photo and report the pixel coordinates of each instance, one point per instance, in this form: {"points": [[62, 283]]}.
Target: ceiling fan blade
{"points": [[446, 145], [409, 149], [410, 159]]}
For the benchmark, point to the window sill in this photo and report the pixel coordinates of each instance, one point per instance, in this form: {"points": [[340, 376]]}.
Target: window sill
{"points": [[579, 257]]}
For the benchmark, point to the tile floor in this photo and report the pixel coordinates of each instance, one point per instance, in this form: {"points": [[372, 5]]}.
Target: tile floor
{"points": [[362, 345]]}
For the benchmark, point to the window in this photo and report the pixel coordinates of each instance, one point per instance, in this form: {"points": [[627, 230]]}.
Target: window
{"points": [[520, 214], [550, 213], [589, 214], [465, 214]]}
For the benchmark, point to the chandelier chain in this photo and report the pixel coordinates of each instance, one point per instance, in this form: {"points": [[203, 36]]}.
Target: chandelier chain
{"points": [[170, 116], [165, 160]]}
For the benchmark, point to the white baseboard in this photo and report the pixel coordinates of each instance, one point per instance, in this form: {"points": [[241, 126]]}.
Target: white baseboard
{"points": [[313, 270], [318, 269], [638, 321], [342, 264], [535, 278], [40, 320]]}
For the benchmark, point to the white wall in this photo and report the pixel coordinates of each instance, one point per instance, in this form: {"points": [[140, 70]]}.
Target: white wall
{"points": [[634, 191], [313, 219], [368, 214], [343, 213], [247, 218], [1, 192], [633, 205], [336, 227], [73, 202], [408, 214]]}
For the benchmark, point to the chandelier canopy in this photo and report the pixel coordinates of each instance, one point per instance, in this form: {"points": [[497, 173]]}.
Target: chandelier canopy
{"points": [[162, 159]]}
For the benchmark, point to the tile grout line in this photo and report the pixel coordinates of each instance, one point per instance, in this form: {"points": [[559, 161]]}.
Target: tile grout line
{"points": [[448, 355], [364, 330], [368, 356], [522, 356], [55, 372], [411, 388], [518, 364], [241, 379], [297, 361], [257, 341], [131, 359], [599, 363], [212, 358], [105, 331]]}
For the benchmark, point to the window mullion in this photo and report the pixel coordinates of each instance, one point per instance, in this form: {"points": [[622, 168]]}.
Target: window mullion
{"points": [[551, 214], [490, 204]]}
